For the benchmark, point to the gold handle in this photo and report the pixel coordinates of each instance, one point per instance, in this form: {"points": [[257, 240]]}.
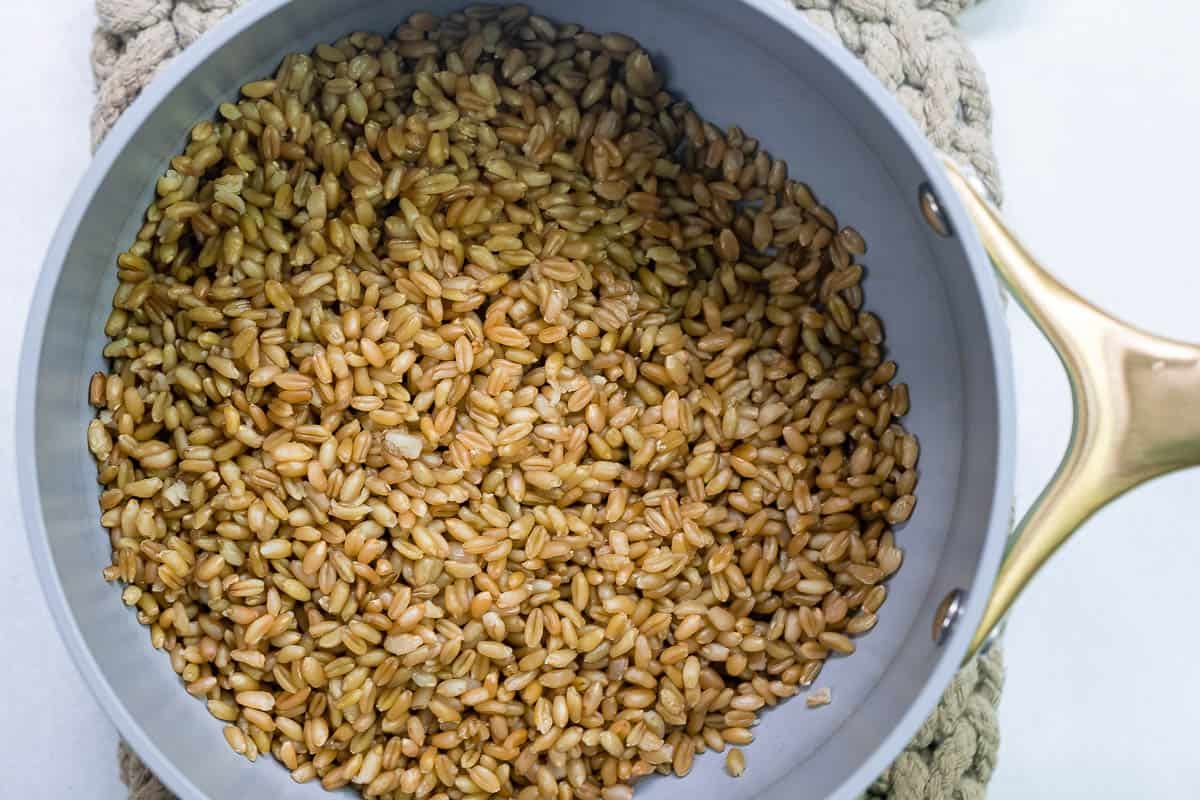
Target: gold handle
{"points": [[1136, 400]]}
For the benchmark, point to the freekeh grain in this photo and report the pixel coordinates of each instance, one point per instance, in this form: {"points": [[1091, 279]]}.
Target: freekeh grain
{"points": [[481, 421], [818, 698], [735, 762]]}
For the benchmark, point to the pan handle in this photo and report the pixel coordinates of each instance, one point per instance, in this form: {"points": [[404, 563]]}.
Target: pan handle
{"points": [[1136, 399]]}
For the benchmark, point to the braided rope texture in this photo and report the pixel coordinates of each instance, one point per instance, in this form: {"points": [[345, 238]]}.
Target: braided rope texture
{"points": [[913, 48]]}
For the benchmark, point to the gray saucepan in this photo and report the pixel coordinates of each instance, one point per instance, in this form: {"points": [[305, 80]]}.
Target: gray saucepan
{"points": [[757, 64]]}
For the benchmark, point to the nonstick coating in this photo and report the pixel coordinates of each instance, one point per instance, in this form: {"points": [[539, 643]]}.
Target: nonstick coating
{"points": [[754, 63]]}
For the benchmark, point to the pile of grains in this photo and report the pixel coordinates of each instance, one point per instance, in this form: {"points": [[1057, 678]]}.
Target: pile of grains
{"points": [[481, 422]]}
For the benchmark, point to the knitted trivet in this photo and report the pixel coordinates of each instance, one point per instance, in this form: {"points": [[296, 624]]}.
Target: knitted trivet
{"points": [[915, 51]]}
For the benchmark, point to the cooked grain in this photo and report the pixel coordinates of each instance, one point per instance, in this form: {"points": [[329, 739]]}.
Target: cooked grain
{"points": [[735, 762], [482, 421]]}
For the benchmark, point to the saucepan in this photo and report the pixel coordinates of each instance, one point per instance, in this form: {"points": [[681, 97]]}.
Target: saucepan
{"points": [[758, 64]]}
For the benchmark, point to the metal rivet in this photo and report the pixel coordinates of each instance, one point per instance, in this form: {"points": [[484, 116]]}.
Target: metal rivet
{"points": [[932, 210], [948, 612]]}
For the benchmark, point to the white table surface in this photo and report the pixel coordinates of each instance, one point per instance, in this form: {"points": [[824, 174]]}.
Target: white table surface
{"points": [[1097, 118]]}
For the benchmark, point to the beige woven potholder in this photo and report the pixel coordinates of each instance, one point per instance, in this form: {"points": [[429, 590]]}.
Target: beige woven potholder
{"points": [[914, 49]]}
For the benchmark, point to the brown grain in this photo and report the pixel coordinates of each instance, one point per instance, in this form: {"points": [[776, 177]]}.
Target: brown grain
{"points": [[481, 421], [735, 762]]}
